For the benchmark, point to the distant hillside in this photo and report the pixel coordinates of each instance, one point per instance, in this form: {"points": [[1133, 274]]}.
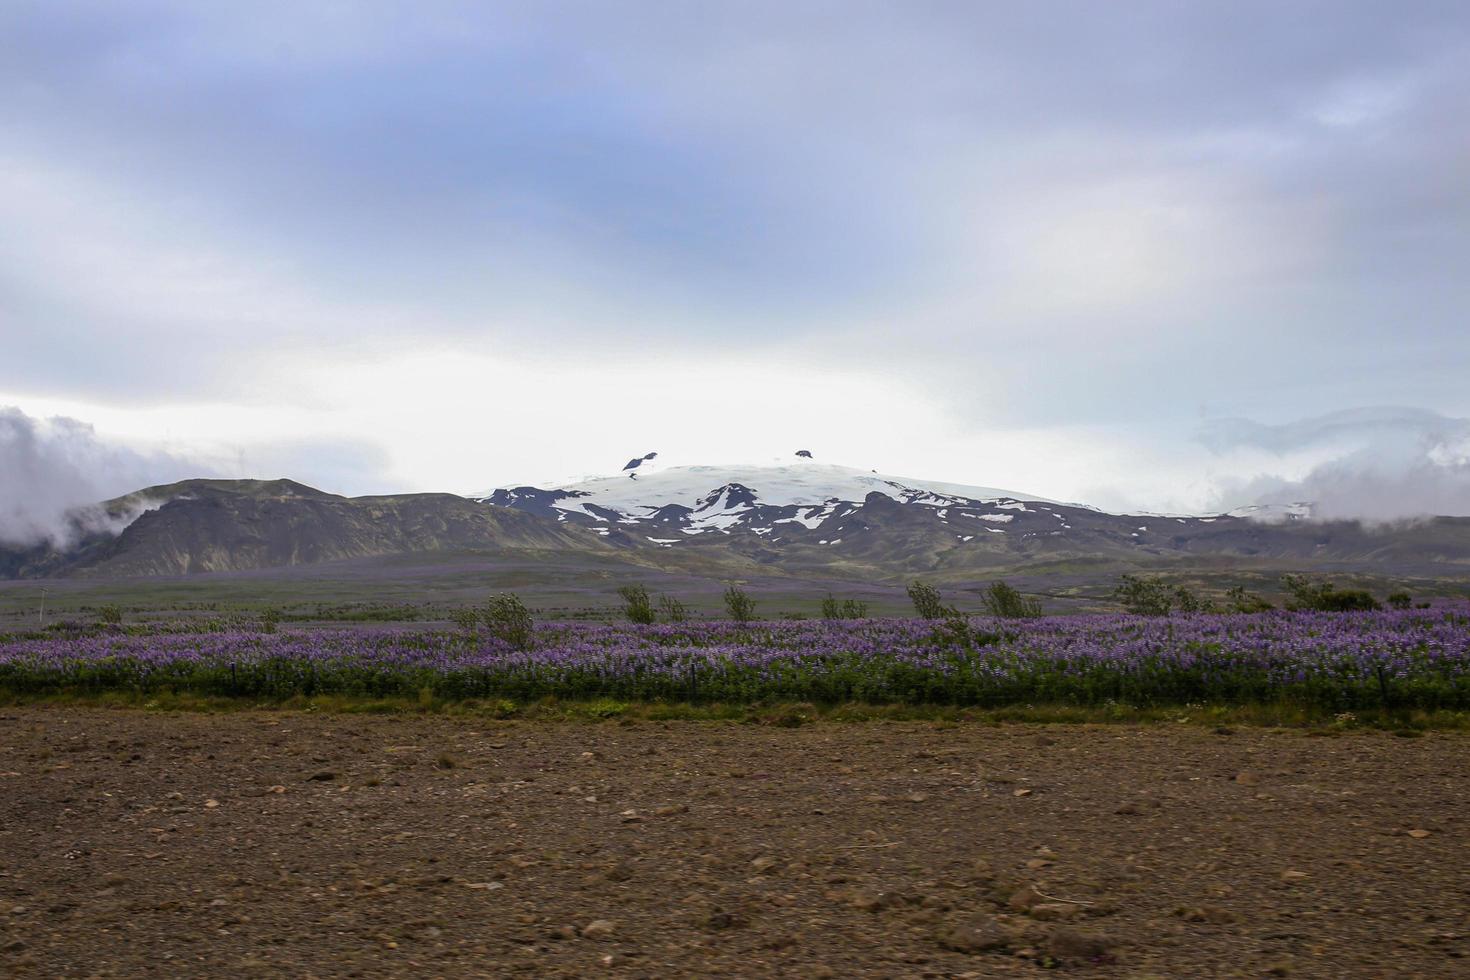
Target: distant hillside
{"points": [[799, 520], [231, 525], [804, 517]]}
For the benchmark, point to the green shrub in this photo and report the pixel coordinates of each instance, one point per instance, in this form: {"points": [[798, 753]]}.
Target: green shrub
{"points": [[636, 604], [465, 620], [954, 630], [508, 619], [110, 615], [926, 600], [739, 604], [1187, 602], [1004, 602], [1242, 601], [672, 609], [1400, 600], [1144, 596], [834, 608], [1310, 593]]}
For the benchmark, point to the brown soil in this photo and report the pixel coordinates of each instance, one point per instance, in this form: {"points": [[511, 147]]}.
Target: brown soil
{"points": [[302, 845]]}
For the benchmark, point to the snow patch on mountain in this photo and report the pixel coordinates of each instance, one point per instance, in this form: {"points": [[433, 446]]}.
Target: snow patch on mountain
{"points": [[803, 483], [1273, 513], [704, 499]]}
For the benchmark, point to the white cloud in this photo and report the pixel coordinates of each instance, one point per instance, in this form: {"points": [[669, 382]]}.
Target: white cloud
{"points": [[1378, 464], [984, 244], [51, 467]]}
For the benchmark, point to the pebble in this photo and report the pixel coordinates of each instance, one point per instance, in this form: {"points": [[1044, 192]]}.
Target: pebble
{"points": [[1418, 833], [720, 920], [1208, 913], [599, 929], [1069, 944], [1052, 911], [981, 934], [870, 901], [1024, 898]]}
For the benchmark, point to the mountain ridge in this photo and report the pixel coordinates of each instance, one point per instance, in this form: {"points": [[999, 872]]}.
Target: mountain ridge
{"points": [[801, 518]]}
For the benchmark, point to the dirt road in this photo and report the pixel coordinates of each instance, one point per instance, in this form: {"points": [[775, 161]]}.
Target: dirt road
{"points": [[272, 844]]}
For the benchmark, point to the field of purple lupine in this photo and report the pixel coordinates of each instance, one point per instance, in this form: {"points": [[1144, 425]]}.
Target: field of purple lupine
{"points": [[1336, 661]]}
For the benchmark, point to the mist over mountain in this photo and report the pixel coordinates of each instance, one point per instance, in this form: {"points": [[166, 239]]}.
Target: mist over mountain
{"points": [[793, 516], [1374, 464], [55, 472]]}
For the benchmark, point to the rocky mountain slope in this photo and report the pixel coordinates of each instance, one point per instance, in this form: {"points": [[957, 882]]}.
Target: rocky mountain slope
{"points": [[802, 515], [231, 525], [796, 517]]}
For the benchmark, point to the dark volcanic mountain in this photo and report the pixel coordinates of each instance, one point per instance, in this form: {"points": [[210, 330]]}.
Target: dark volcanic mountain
{"points": [[230, 525]]}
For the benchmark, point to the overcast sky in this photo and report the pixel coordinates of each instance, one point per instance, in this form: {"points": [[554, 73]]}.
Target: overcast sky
{"points": [[1165, 256]]}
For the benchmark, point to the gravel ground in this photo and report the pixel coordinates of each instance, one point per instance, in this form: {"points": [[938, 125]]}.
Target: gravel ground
{"points": [[275, 844]]}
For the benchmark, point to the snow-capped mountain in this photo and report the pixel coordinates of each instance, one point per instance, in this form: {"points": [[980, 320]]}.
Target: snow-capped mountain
{"points": [[759, 498], [784, 507], [801, 513], [798, 517]]}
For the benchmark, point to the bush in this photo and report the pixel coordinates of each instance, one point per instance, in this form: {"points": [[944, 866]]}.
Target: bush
{"points": [[673, 609], [1004, 602], [508, 619], [110, 615], [636, 604], [739, 604], [1400, 600], [954, 630], [1187, 602], [834, 608], [1351, 600], [465, 620], [270, 619], [926, 600], [1242, 601], [1144, 596], [1309, 593]]}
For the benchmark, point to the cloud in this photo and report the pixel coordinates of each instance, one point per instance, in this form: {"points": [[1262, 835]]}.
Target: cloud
{"points": [[1374, 464], [1044, 217], [51, 468]]}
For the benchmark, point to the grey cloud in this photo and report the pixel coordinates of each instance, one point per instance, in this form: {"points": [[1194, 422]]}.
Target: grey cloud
{"points": [[1386, 463], [1385, 426], [190, 191], [50, 468]]}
